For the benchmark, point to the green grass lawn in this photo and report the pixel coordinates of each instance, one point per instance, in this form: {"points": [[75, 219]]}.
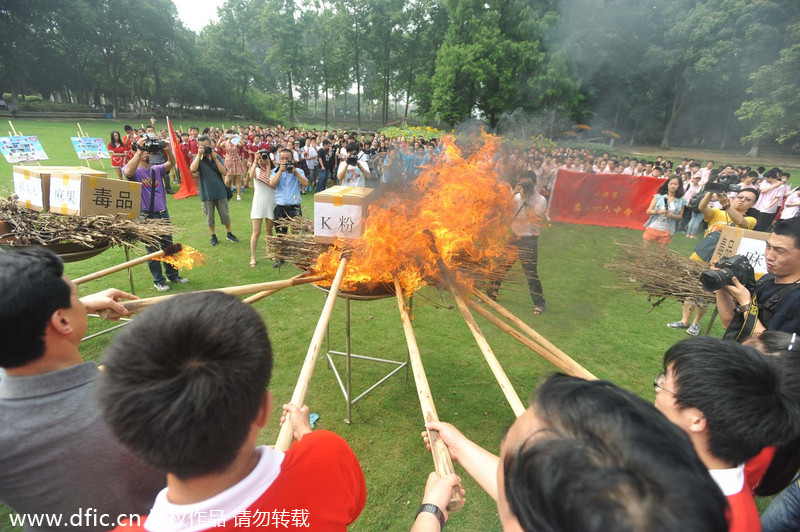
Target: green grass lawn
{"points": [[591, 315]]}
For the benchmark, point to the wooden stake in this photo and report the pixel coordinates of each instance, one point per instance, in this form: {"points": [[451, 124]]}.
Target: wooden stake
{"points": [[299, 396], [488, 354], [261, 295], [12, 128], [441, 456], [527, 329], [169, 250], [138, 305], [562, 361]]}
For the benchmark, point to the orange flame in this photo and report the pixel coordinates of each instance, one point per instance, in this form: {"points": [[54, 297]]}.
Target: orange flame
{"points": [[462, 202], [187, 258]]}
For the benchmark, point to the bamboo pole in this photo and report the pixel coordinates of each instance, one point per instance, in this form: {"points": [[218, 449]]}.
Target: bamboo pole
{"points": [[11, 125], [499, 374], [441, 455], [137, 305], [524, 327], [562, 362], [298, 397], [261, 295], [169, 250]]}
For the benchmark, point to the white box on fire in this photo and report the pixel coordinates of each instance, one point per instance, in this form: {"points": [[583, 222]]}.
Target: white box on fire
{"points": [[82, 193], [32, 183], [339, 212]]}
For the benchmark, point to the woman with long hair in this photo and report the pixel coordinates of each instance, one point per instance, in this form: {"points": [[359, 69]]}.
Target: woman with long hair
{"points": [[263, 200], [234, 162], [117, 149], [665, 211]]}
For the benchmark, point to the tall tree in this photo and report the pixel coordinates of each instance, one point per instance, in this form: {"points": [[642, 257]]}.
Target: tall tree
{"points": [[773, 106]]}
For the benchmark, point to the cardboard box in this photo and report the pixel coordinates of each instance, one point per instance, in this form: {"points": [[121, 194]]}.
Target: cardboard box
{"points": [[738, 241], [340, 212], [83, 193], [32, 183]]}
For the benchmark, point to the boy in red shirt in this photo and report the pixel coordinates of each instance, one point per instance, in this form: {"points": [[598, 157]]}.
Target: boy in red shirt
{"points": [[184, 390], [732, 402]]}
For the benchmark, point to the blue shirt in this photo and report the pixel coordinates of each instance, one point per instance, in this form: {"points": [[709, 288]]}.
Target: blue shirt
{"points": [[287, 191]]}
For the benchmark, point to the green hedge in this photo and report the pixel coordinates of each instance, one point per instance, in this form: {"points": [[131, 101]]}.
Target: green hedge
{"points": [[52, 107]]}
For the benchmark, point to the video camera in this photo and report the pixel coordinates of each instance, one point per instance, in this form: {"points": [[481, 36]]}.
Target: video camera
{"points": [[737, 266], [152, 144], [720, 182]]}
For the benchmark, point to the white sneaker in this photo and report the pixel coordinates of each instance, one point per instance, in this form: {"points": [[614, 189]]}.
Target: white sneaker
{"points": [[694, 329]]}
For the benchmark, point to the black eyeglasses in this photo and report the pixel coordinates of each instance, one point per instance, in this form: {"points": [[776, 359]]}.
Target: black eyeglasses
{"points": [[658, 385]]}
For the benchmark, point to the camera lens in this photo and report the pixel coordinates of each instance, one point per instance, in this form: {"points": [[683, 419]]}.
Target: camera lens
{"points": [[713, 280]]}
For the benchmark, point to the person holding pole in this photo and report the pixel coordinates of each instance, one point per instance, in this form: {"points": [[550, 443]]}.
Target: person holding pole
{"points": [[206, 439], [57, 454], [154, 204], [586, 455]]}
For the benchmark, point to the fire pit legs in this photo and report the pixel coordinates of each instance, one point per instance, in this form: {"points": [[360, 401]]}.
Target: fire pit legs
{"points": [[346, 384]]}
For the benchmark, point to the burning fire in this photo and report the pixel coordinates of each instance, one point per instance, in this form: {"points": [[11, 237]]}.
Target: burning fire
{"points": [[461, 201], [187, 258]]}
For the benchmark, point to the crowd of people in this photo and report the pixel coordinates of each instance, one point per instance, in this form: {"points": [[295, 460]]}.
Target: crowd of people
{"points": [[164, 438]]}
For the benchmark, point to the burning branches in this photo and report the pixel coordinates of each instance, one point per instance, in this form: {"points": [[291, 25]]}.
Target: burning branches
{"points": [[460, 200], [30, 228], [660, 273], [176, 254]]}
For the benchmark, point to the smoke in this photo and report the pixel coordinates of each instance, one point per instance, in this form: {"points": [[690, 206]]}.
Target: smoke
{"points": [[640, 61]]}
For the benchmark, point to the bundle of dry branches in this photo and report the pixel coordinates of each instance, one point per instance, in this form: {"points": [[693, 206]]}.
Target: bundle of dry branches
{"points": [[24, 227], [299, 248], [660, 273]]}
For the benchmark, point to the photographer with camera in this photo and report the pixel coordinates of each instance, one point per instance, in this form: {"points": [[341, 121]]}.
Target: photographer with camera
{"points": [[732, 213], [773, 302], [353, 172], [286, 179], [209, 172], [154, 200], [530, 207], [158, 157], [263, 199]]}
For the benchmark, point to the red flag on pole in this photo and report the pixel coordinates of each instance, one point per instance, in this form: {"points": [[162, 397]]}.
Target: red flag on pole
{"points": [[610, 200], [187, 183]]}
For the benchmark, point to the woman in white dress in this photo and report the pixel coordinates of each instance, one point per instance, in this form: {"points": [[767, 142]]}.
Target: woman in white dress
{"points": [[263, 200]]}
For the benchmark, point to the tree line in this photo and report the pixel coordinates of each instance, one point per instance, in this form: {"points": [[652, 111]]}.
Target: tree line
{"points": [[695, 72]]}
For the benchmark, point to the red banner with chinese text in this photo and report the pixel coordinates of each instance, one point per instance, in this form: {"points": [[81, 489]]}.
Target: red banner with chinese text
{"points": [[609, 200]]}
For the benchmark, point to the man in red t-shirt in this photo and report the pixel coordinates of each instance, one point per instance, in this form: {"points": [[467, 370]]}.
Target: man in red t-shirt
{"points": [[730, 400], [184, 390]]}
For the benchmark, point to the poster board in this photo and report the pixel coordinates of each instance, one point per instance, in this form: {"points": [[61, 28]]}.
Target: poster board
{"points": [[738, 241], [90, 148], [22, 149]]}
